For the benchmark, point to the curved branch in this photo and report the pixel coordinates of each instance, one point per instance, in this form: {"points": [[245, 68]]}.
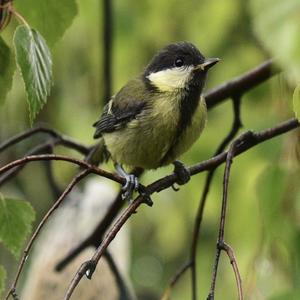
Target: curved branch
{"points": [[88, 267], [78, 162], [61, 139], [69, 188]]}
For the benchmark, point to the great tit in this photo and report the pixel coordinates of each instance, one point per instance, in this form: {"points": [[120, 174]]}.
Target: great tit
{"points": [[157, 116]]}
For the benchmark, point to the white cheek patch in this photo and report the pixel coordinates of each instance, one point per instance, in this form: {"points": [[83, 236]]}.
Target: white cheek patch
{"points": [[170, 79]]}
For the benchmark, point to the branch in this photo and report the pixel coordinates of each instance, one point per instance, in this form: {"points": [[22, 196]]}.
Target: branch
{"points": [[61, 139], [76, 179], [88, 267], [236, 125], [51, 157], [221, 245], [96, 236], [240, 85], [107, 49]]}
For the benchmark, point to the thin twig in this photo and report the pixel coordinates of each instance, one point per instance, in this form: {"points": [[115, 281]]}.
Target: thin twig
{"points": [[39, 149], [236, 125], [107, 49], [88, 267], [241, 84], [61, 139], [230, 253], [95, 238], [78, 162], [248, 136], [75, 180]]}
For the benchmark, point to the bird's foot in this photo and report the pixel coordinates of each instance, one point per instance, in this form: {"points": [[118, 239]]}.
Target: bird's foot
{"points": [[183, 174], [131, 184]]}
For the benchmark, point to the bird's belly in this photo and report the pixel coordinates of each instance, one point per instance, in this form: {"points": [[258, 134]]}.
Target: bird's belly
{"points": [[145, 141]]}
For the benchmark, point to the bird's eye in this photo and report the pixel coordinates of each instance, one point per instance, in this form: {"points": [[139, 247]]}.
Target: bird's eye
{"points": [[179, 62]]}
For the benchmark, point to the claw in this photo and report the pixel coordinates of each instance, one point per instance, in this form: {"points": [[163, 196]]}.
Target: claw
{"points": [[131, 185], [183, 174]]}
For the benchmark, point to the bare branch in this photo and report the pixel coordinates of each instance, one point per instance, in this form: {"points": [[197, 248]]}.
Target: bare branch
{"points": [[247, 136], [107, 49], [76, 179], [95, 238], [88, 267], [61, 139], [239, 85], [236, 125], [48, 157]]}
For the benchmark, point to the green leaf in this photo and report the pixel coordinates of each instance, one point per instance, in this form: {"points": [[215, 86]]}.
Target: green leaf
{"points": [[16, 217], [7, 67], [50, 17], [276, 24], [296, 102], [2, 279], [35, 63]]}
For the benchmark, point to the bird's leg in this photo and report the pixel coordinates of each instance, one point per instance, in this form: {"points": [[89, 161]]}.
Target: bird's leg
{"points": [[183, 174], [131, 185]]}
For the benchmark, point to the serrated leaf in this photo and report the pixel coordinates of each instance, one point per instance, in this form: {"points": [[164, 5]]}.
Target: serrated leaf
{"points": [[296, 102], [16, 217], [7, 67], [276, 23], [51, 18], [35, 62], [2, 279]]}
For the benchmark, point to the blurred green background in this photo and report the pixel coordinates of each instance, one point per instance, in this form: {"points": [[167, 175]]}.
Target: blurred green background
{"points": [[263, 221]]}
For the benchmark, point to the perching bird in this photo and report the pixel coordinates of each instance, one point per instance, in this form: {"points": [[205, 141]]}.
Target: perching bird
{"points": [[157, 116]]}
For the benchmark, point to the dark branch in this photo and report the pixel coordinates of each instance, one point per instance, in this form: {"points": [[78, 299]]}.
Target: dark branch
{"points": [[107, 49], [239, 85], [96, 236], [51, 157], [88, 267], [76, 179], [221, 245], [61, 139], [236, 125]]}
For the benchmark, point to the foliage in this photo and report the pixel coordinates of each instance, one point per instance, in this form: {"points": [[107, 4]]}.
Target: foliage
{"points": [[32, 54], [51, 18], [16, 217], [35, 63]]}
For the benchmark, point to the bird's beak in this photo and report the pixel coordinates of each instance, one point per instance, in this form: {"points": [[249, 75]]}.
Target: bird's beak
{"points": [[208, 63]]}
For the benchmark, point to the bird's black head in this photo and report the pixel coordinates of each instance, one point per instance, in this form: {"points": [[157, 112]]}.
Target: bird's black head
{"points": [[178, 66]]}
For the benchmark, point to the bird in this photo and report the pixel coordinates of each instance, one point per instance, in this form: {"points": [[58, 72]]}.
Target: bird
{"points": [[157, 116]]}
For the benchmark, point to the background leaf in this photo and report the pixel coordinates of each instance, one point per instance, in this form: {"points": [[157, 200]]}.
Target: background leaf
{"points": [[2, 279], [276, 24], [35, 63], [51, 18], [16, 217], [296, 102], [6, 70]]}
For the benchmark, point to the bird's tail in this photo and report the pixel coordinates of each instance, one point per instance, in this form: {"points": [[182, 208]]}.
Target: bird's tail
{"points": [[98, 154]]}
